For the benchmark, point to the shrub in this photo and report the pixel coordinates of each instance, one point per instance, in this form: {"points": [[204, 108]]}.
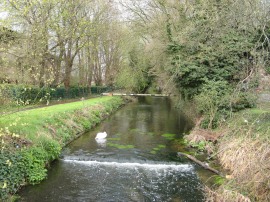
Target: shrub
{"points": [[267, 69], [34, 161], [217, 100], [12, 173], [213, 102], [25, 166], [5, 97], [24, 95]]}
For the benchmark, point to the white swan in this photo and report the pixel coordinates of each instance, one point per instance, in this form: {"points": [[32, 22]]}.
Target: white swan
{"points": [[101, 135]]}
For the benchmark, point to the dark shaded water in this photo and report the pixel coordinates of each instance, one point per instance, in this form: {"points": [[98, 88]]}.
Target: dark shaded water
{"points": [[137, 162]]}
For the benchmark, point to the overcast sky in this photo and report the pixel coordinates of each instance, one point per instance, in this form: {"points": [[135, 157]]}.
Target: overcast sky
{"points": [[3, 15]]}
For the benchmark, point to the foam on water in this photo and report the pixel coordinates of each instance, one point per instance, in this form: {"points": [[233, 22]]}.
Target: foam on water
{"points": [[179, 167]]}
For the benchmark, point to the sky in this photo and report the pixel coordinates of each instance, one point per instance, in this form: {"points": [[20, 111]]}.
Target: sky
{"points": [[3, 15]]}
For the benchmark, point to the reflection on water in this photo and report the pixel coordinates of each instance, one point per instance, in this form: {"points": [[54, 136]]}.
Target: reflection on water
{"points": [[135, 163]]}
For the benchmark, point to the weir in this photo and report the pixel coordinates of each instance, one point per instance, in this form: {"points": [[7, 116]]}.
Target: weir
{"points": [[130, 165], [136, 162]]}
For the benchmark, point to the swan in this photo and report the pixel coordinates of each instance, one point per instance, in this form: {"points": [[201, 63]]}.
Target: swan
{"points": [[101, 135], [102, 142]]}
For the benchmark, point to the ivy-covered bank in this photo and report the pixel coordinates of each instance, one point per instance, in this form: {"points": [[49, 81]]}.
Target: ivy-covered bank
{"points": [[31, 139]]}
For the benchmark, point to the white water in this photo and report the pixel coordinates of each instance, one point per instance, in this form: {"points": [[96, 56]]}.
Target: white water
{"points": [[177, 167]]}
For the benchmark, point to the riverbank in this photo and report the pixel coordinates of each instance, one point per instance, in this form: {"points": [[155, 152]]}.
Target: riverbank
{"points": [[31, 139], [245, 152], [242, 146]]}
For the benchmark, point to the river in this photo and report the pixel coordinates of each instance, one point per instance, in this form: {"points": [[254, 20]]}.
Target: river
{"points": [[137, 161]]}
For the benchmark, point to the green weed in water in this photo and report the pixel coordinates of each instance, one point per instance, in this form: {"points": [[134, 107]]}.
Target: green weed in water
{"points": [[120, 146], [169, 136], [158, 148], [114, 138], [161, 146], [150, 134], [134, 130]]}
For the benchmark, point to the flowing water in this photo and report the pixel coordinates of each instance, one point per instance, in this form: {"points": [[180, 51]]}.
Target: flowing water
{"points": [[137, 161]]}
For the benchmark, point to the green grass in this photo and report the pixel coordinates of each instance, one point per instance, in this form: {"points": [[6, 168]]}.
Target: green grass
{"points": [[51, 110], [243, 151], [253, 122], [29, 123]]}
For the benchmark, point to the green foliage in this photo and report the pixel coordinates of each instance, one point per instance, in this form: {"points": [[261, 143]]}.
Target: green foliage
{"points": [[243, 100], [267, 69], [24, 95], [5, 96], [219, 180], [217, 100], [134, 75], [25, 166], [34, 161], [213, 102], [169, 136], [12, 173], [209, 55], [52, 147], [224, 60], [200, 145]]}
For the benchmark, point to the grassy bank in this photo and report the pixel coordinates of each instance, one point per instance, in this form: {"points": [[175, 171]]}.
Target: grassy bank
{"points": [[30, 139], [245, 152], [241, 145]]}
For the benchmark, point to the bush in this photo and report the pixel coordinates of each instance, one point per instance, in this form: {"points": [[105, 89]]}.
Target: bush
{"points": [[24, 95], [12, 173], [267, 69], [217, 100], [5, 96], [25, 166], [243, 100], [34, 161], [213, 102]]}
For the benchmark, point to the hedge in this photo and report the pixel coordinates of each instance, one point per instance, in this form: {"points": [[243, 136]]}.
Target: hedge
{"points": [[33, 94]]}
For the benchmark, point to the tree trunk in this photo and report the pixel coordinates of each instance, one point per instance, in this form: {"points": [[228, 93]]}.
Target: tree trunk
{"points": [[68, 71], [57, 67], [81, 69], [204, 165], [90, 68]]}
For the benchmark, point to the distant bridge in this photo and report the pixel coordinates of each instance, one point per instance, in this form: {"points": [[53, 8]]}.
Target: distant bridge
{"points": [[138, 95]]}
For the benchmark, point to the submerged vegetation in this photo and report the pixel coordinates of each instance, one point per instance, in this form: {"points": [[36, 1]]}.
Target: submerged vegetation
{"points": [[169, 136]]}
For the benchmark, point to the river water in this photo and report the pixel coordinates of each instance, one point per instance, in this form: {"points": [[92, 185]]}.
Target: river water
{"points": [[137, 162]]}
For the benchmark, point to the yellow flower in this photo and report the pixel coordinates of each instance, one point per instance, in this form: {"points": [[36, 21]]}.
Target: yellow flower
{"points": [[8, 163], [5, 185]]}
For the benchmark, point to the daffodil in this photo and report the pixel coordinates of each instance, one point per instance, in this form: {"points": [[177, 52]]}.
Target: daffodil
{"points": [[4, 185], [8, 162]]}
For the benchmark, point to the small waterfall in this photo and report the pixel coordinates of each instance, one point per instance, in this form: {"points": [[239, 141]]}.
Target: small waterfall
{"points": [[128, 165]]}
